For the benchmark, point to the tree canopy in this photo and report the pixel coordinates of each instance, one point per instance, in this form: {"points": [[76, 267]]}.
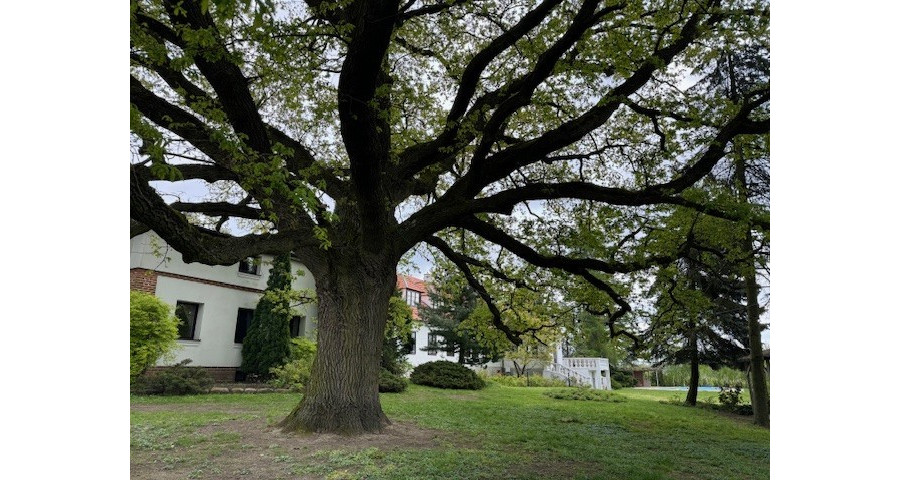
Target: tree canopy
{"points": [[352, 131]]}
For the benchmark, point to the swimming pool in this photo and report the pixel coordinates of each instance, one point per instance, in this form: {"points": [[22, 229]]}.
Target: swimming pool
{"points": [[682, 389]]}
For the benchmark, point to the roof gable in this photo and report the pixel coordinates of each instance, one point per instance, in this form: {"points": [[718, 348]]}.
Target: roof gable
{"points": [[411, 283]]}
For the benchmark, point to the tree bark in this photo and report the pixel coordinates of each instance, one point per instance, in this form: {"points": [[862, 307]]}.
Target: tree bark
{"points": [[694, 382], [342, 394], [759, 392]]}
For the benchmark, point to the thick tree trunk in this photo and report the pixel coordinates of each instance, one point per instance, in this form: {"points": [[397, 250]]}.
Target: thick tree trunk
{"points": [[342, 395]]}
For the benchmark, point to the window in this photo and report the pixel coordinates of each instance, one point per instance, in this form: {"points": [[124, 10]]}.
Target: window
{"points": [[244, 317], [298, 326], [250, 265], [432, 348], [409, 346], [187, 313], [413, 297]]}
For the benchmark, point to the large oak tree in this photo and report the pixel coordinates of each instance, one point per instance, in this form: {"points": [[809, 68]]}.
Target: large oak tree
{"points": [[351, 131]]}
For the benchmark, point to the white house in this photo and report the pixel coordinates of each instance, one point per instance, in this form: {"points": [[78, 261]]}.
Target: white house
{"points": [[415, 292], [215, 303], [587, 371]]}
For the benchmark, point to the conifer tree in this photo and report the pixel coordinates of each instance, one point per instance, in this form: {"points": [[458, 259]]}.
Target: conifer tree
{"points": [[268, 340], [700, 318], [450, 307]]}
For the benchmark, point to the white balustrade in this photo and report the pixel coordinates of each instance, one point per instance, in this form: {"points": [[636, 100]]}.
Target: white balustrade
{"points": [[565, 373], [590, 371]]}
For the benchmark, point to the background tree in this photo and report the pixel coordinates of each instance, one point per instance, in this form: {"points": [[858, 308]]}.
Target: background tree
{"points": [[589, 337], [268, 340], [400, 326], [350, 132], [529, 355], [699, 316], [524, 310], [452, 302], [739, 71]]}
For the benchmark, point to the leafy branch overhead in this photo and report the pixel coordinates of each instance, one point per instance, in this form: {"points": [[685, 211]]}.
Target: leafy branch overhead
{"points": [[554, 134]]}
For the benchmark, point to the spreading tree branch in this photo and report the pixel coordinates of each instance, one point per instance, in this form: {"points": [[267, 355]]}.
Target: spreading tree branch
{"points": [[463, 266]]}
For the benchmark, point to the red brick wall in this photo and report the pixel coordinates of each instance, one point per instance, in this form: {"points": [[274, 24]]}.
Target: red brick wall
{"points": [[143, 280]]}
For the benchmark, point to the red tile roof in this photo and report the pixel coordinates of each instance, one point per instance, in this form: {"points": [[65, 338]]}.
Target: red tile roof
{"points": [[406, 282], [411, 283]]}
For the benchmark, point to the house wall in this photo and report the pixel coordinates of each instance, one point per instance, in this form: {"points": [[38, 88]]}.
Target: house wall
{"points": [[220, 291], [420, 356]]}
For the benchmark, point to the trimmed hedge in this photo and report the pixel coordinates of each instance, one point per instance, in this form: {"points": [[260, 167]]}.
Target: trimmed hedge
{"points": [[390, 383], [444, 374]]}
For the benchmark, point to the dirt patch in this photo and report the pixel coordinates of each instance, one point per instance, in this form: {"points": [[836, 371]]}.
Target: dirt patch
{"points": [[252, 448], [192, 408], [396, 435]]}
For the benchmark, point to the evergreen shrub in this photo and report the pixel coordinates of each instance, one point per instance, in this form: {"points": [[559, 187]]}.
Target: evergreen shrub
{"points": [[268, 340], [444, 374], [178, 379], [390, 383], [621, 378]]}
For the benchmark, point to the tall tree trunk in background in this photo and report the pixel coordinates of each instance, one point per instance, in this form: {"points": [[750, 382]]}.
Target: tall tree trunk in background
{"points": [[759, 392], [694, 382], [342, 395]]}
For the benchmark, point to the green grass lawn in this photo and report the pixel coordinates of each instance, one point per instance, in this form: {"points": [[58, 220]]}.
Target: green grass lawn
{"points": [[498, 432]]}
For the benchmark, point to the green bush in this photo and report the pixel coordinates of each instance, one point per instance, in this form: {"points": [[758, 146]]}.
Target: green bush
{"points": [[390, 383], [175, 380], [730, 400], [523, 381], [302, 347], [444, 374], [154, 331], [295, 373], [586, 394], [730, 396]]}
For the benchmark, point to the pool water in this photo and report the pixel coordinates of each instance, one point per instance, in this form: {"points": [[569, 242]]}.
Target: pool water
{"points": [[682, 389]]}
